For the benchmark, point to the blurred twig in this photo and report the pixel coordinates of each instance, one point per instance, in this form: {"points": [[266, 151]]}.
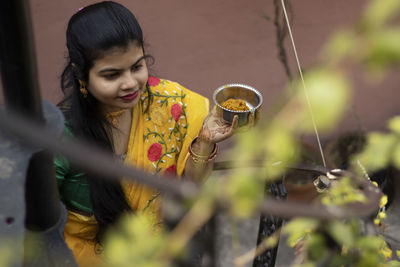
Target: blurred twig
{"points": [[268, 243], [87, 157], [197, 216], [93, 159]]}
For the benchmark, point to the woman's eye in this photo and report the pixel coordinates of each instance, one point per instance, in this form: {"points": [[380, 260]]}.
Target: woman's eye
{"points": [[111, 76], [136, 67]]}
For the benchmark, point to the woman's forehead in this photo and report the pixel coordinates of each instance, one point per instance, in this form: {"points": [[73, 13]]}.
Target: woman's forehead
{"points": [[119, 56]]}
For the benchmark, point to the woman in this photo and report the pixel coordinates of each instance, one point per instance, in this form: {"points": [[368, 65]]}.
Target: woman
{"points": [[151, 123]]}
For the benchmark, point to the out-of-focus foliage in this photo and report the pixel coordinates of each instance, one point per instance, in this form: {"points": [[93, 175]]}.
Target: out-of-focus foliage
{"points": [[328, 93], [134, 242], [7, 255], [280, 147], [342, 192], [382, 148], [394, 125], [245, 191], [384, 49], [374, 43], [392, 263], [378, 13], [380, 36], [246, 143], [298, 229], [337, 243], [339, 47]]}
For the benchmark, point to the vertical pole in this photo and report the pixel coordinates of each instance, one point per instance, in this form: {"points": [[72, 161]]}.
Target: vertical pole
{"points": [[21, 94], [17, 59]]}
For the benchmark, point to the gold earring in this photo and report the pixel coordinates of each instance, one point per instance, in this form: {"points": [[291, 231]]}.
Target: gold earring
{"points": [[83, 89]]}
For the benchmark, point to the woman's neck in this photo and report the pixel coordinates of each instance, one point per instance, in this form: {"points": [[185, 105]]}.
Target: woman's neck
{"points": [[115, 117], [121, 131]]}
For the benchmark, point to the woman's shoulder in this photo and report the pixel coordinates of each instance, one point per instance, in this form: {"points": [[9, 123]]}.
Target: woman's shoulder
{"points": [[168, 101], [162, 85], [169, 89]]}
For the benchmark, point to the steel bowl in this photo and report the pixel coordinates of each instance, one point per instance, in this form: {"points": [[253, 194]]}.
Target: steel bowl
{"points": [[250, 95]]}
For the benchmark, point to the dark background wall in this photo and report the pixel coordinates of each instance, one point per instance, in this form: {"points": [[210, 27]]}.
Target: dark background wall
{"points": [[205, 44]]}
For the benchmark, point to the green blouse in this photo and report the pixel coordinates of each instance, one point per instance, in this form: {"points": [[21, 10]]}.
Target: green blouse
{"points": [[72, 185]]}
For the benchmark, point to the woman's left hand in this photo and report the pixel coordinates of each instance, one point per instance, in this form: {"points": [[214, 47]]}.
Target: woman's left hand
{"points": [[215, 129]]}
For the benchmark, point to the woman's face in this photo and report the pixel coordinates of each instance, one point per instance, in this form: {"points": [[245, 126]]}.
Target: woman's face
{"points": [[118, 78]]}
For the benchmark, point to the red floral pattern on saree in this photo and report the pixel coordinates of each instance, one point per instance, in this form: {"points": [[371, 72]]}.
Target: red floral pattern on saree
{"points": [[176, 111], [153, 81], [154, 152], [171, 170], [165, 124]]}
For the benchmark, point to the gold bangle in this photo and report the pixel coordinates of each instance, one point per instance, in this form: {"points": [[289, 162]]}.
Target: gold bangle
{"points": [[202, 159]]}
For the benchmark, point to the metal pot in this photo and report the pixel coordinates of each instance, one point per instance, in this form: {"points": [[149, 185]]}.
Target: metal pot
{"points": [[250, 95]]}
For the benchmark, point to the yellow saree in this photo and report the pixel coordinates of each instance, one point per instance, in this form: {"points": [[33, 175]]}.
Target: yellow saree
{"points": [[164, 123]]}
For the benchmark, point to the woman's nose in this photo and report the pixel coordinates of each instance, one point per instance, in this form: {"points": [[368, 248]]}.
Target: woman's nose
{"points": [[129, 82]]}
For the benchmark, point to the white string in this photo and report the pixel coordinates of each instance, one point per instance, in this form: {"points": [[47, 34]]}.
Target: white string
{"points": [[363, 170], [304, 85]]}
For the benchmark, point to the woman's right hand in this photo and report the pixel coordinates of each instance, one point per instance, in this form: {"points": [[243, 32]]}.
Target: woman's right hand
{"points": [[215, 129]]}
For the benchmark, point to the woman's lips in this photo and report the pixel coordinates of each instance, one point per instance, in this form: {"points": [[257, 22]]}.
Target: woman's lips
{"points": [[130, 97]]}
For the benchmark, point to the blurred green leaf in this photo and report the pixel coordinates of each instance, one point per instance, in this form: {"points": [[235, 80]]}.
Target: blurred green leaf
{"points": [[342, 233], [248, 145], [340, 46], [342, 192], [279, 144], [298, 228], [280, 149], [135, 242], [316, 247], [384, 49], [396, 156], [339, 261], [328, 94], [244, 190], [394, 124], [392, 264], [379, 12], [377, 152], [370, 243], [370, 248], [369, 260]]}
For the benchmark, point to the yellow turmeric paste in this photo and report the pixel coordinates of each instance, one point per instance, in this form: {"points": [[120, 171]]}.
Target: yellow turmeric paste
{"points": [[235, 105]]}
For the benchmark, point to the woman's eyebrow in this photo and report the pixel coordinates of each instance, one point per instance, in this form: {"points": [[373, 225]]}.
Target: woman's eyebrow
{"points": [[114, 69], [139, 59]]}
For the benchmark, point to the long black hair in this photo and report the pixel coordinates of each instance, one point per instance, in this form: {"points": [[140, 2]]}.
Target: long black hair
{"points": [[91, 32]]}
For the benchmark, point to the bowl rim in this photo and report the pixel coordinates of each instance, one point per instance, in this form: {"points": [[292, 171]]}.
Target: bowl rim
{"points": [[238, 85]]}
